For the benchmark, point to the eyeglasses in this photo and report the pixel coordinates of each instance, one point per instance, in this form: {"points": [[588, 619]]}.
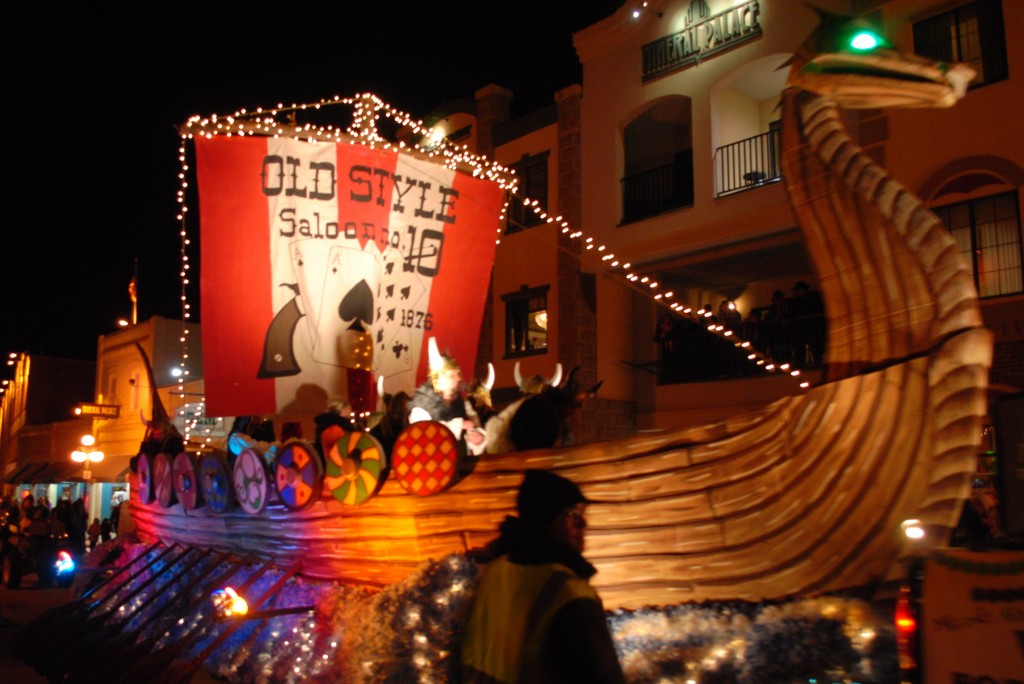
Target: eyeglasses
{"points": [[576, 517]]}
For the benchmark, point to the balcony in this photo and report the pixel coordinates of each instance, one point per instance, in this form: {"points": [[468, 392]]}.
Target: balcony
{"points": [[658, 189], [689, 353], [747, 164]]}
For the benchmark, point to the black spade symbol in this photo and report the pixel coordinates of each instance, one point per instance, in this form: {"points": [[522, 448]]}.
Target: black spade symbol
{"points": [[357, 307]]}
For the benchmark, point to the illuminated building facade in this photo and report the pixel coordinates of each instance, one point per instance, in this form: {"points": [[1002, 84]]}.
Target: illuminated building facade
{"points": [[668, 156]]}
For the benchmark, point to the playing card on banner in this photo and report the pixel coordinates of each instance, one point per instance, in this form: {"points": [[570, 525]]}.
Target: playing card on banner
{"points": [[344, 334], [308, 269]]}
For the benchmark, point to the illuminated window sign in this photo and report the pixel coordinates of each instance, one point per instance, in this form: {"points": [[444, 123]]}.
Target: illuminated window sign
{"points": [[703, 40]]}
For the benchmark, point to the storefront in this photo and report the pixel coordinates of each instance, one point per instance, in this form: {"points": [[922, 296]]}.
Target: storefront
{"points": [[107, 488]]}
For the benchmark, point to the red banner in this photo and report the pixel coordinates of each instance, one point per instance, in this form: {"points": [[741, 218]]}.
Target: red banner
{"points": [[325, 266]]}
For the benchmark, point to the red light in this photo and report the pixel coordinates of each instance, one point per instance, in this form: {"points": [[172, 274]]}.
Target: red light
{"points": [[906, 630], [65, 563]]}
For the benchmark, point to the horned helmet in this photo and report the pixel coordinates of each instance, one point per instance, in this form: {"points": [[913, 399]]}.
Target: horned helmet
{"points": [[443, 368]]}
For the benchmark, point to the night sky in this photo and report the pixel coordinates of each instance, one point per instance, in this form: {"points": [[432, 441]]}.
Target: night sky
{"points": [[92, 101]]}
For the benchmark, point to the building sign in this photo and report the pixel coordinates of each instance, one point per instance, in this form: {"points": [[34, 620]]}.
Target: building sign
{"points": [[98, 410], [702, 40]]}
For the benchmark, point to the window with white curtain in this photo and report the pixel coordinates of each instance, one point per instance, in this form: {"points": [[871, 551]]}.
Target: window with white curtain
{"points": [[972, 34], [987, 230]]}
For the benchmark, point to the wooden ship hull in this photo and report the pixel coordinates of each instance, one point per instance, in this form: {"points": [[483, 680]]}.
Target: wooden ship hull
{"points": [[803, 497]]}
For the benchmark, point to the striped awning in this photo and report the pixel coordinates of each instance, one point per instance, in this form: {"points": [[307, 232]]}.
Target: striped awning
{"points": [[27, 473], [38, 472]]}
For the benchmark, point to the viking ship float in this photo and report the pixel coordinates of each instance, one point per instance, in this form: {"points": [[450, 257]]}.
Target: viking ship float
{"points": [[802, 497]]}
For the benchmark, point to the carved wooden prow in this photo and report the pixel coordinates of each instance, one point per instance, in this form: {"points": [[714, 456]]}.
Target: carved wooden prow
{"points": [[161, 433]]}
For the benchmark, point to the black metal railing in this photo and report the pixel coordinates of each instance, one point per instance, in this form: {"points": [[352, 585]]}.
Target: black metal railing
{"points": [[689, 353], [658, 189], [747, 164]]}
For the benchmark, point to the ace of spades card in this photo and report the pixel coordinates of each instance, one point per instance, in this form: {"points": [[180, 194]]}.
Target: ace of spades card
{"points": [[402, 304], [344, 331], [309, 265]]}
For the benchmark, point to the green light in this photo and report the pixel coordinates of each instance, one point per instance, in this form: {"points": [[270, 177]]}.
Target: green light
{"points": [[865, 40]]}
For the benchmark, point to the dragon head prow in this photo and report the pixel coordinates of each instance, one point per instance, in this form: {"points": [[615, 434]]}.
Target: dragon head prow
{"points": [[849, 62]]}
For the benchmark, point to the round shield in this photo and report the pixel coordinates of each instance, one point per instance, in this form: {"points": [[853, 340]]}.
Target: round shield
{"points": [[186, 481], [425, 458], [251, 480], [356, 468], [299, 475], [163, 481], [144, 475], [215, 482]]}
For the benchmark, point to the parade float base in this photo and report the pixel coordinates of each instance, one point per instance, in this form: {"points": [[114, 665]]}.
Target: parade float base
{"points": [[410, 631]]}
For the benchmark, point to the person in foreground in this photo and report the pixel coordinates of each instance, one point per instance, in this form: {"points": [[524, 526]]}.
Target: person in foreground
{"points": [[535, 618]]}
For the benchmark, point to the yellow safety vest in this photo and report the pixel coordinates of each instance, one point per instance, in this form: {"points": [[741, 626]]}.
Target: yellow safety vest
{"points": [[511, 616]]}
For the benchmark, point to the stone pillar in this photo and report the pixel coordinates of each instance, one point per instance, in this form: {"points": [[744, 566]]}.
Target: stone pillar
{"points": [[600, 419], [577, 345], [492, 110]]}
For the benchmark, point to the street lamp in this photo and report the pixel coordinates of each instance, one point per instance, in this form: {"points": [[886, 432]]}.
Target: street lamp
{"points": [[86, 455]]}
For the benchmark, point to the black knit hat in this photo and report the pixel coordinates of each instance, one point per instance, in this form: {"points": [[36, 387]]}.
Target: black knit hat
{"points": [[543, 495]]}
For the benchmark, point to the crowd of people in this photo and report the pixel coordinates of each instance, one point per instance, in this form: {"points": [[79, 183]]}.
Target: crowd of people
{"points": [[37, 518], [789, 330]]}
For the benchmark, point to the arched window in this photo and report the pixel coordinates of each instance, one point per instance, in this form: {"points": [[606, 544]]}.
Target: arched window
{"points": [[658, 150], [986, 225]]}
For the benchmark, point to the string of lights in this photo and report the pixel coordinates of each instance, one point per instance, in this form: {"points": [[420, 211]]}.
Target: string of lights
{"points": [[653, 289]]}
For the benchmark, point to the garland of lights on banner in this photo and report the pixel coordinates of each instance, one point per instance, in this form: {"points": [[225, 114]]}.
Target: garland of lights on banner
{"points": [[367, 110]]}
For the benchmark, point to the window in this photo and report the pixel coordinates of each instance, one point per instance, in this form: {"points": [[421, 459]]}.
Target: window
{"points": [[972, 34], [532, 172], [658, 147], [988, 233], [526, 321]]}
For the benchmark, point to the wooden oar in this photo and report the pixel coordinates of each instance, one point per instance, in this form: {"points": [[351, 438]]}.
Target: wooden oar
{"points": [[76, 644], [126, 647], [38, 636], [41, 653], [33, 630], [162, 666]]}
